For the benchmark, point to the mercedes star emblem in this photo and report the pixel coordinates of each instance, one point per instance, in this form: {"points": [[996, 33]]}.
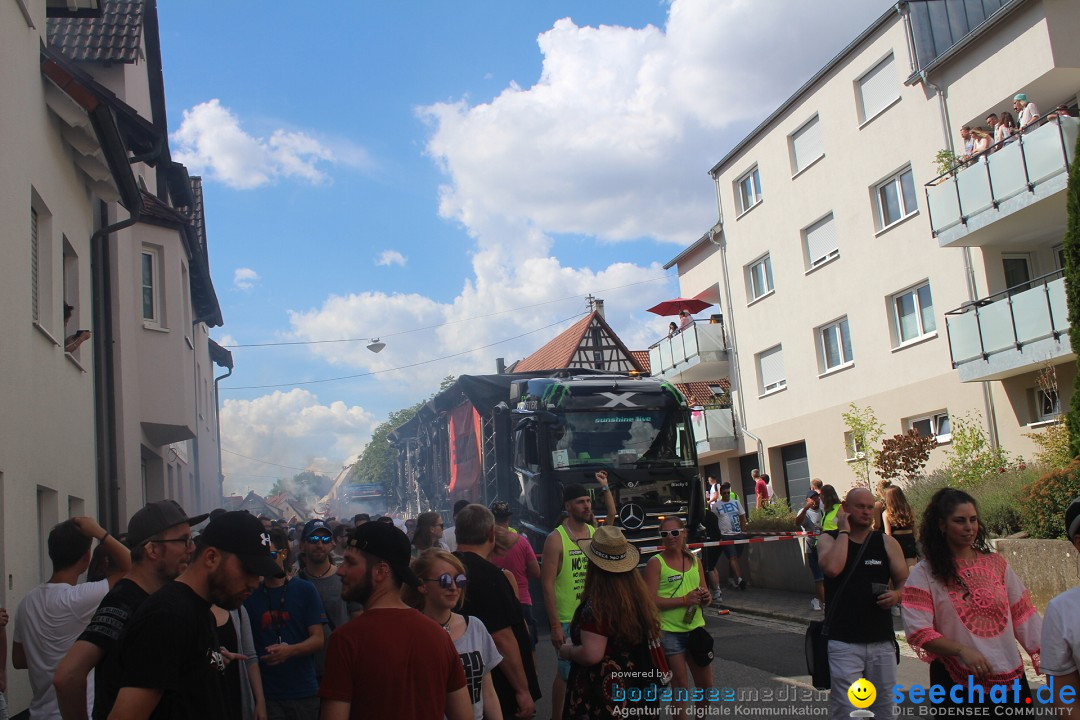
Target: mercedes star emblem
{"points": [[632, 516]]}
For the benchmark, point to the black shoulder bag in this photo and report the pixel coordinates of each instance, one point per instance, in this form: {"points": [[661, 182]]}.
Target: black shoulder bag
{"points": [[816, 644]]}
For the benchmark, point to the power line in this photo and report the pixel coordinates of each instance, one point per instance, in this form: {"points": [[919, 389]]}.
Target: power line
{"points": [[402, 367], [449, 322], [265, 462]]}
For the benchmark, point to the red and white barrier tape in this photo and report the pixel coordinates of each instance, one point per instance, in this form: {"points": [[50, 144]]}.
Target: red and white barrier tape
{"points": [[744, 541]]}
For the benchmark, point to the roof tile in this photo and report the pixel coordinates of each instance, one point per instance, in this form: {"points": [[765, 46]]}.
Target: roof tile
{"points": [[113, 37]]}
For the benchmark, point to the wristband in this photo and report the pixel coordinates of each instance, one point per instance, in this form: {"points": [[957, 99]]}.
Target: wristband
{"points": [[843, 532], [103, 537]]}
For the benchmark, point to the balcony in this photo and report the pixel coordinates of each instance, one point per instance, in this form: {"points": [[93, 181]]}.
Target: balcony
{"points": [[1012, 194], [714, 430], [1011, 333], [699, 353]]}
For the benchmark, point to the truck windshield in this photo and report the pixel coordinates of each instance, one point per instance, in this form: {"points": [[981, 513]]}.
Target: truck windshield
{"points": [[631, 437]]}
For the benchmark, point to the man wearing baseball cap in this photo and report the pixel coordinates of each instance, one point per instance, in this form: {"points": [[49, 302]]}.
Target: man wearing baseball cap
{"points": [[391, 662], [1060, 653], [316, 541], [159, 536], [169, 663], [562, 571]]}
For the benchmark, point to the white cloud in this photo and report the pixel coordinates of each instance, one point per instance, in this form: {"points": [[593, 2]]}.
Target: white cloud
{"points": [[390, 257], [245, 278], [211, 141], [616, 136], [288, 428]]}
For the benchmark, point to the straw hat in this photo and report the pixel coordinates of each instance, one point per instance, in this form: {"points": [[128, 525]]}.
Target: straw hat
{"points": [[609, 550]]}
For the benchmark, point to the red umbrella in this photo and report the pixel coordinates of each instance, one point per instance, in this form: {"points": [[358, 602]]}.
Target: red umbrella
{"points": [[673, 307]]}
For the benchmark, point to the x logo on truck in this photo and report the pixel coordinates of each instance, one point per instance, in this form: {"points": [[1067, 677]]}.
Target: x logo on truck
{"points": [[617, 399]]}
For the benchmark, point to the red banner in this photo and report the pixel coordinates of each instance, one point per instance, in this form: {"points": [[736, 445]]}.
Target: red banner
{"points": [[466, 464]]}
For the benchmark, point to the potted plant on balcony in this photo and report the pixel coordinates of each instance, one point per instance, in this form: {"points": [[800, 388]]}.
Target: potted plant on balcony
{"points": [[945, 162]]}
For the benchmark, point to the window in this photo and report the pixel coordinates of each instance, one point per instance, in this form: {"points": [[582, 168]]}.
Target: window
{"points": [[759, 282], [1059, 256], [41, 264], [834, 344], [853, 447], [806, 145], [895, 198], [877, 90], [1017, 269], [151, 287], [820, 242], [748, 190], [771, 370], [933, 425], [1047, 405], [913, 311]]}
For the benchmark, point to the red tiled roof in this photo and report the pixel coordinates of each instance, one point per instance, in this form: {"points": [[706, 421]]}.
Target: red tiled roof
{"points": [[559, 351]]}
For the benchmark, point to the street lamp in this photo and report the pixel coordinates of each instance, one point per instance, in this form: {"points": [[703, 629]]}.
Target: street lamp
{"points": [[375, 346]]}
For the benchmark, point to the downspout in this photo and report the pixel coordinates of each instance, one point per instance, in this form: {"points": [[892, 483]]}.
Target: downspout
{"points": [[105, 372], [730, 319], [217, 427], [969, 265]]}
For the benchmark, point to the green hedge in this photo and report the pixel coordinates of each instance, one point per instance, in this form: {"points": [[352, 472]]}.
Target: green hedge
{"points": [[1043, 502]]}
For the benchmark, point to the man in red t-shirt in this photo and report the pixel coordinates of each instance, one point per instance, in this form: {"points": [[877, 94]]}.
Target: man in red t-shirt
{"points": [[392, 661]]}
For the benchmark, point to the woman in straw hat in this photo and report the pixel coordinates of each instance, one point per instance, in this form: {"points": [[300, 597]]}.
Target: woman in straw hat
{"points": [[614, 634]]}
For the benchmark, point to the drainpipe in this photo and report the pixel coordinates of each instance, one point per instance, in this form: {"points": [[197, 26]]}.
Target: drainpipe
{"points": [[217, 427], [969, 265], [730, 322], [105, 372]]}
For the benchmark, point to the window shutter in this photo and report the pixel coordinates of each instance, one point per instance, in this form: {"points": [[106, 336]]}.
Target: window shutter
{"points": [[772, 366], [820, 240], [34, 264], [878, 88], [806, 144]]}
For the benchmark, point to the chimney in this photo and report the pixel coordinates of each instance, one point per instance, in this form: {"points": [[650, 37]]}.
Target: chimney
{"points": [[500, 366], [598, 306]]}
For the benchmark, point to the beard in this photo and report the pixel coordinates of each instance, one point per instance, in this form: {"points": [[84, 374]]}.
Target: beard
{"points": [[220, 592], [361, 591]]}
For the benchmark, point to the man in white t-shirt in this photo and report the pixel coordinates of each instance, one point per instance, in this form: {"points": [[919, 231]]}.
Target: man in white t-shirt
{"points": [[732, 519], [1060, 653], [52, 615], [1026, 111]]}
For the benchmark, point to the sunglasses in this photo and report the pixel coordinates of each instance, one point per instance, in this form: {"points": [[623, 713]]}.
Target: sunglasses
{"points": [[670, 533], [446, 581], [320, 539], [274, 553]]}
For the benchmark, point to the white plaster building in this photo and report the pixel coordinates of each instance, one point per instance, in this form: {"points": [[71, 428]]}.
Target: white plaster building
{"points": [[838, 268]]}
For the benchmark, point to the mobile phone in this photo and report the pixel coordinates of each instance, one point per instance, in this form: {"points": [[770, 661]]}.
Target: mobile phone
{"points": [[879, 589]]}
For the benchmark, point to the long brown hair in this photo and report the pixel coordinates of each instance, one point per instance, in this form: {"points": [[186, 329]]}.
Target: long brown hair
{"points": [[425, 521], [621, 604], [897, 508]]}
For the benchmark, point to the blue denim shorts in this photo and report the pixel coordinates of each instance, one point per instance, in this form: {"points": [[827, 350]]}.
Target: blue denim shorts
{"points": [[564, 665], [674, 642], [812, 563]]}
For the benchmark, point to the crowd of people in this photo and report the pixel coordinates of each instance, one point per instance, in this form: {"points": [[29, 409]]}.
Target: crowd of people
{"points": [[253, 619], [1002, 128]]}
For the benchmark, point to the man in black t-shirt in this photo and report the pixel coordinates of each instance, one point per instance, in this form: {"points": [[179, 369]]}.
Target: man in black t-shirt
{"points": [[169, 661], [490, 597], [861, 639], [159, 536]]}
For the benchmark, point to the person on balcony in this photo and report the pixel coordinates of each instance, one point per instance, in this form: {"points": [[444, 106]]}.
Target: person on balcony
{"points": [[1026, 111], [672, 330], [1008, 127], [983, 140], [685, 320]]}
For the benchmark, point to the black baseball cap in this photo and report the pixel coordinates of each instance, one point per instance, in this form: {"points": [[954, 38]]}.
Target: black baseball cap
{"points": [[387, 543], [1072, 518], [243, 535], [157, 517], [313, 525], [573, 492]]}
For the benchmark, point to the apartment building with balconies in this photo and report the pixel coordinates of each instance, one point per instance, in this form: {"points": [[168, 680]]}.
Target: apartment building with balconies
{"points": [[849, 271]]}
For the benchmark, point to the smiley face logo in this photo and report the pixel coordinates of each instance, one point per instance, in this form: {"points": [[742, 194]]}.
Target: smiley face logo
{"points": [[862, 693]]}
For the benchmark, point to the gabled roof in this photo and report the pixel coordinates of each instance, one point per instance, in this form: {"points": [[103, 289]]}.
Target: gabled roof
{"points": [[568, 348], [112, 38]]}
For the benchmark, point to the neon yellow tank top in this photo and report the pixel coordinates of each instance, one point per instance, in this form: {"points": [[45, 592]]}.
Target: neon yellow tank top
{"points": [[571, 578], [676, 584]]}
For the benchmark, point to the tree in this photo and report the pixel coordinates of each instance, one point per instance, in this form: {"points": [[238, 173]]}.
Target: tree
{"points": [[1072, 291], [863, 433], [971, 459], [306, 486], [904, 455]]}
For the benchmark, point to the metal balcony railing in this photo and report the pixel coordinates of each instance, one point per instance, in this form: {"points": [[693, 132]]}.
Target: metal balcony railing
{"points": [[1033, 311], [691, 342], [713, 424], [1007, 169]]}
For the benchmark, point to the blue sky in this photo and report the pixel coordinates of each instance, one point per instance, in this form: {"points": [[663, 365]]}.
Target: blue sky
{"points": [[372, 169]]}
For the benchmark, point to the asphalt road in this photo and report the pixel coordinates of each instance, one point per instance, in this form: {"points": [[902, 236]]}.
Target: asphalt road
{"points": [[759, 664]]}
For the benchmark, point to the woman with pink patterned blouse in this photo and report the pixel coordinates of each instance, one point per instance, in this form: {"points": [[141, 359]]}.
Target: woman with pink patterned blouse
{"points": [[965, 610]]}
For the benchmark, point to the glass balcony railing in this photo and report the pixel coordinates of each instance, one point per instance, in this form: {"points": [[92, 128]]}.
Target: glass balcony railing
{"points": [[699, 342], [1009, 320], [1018, 165], [713, 428]]}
